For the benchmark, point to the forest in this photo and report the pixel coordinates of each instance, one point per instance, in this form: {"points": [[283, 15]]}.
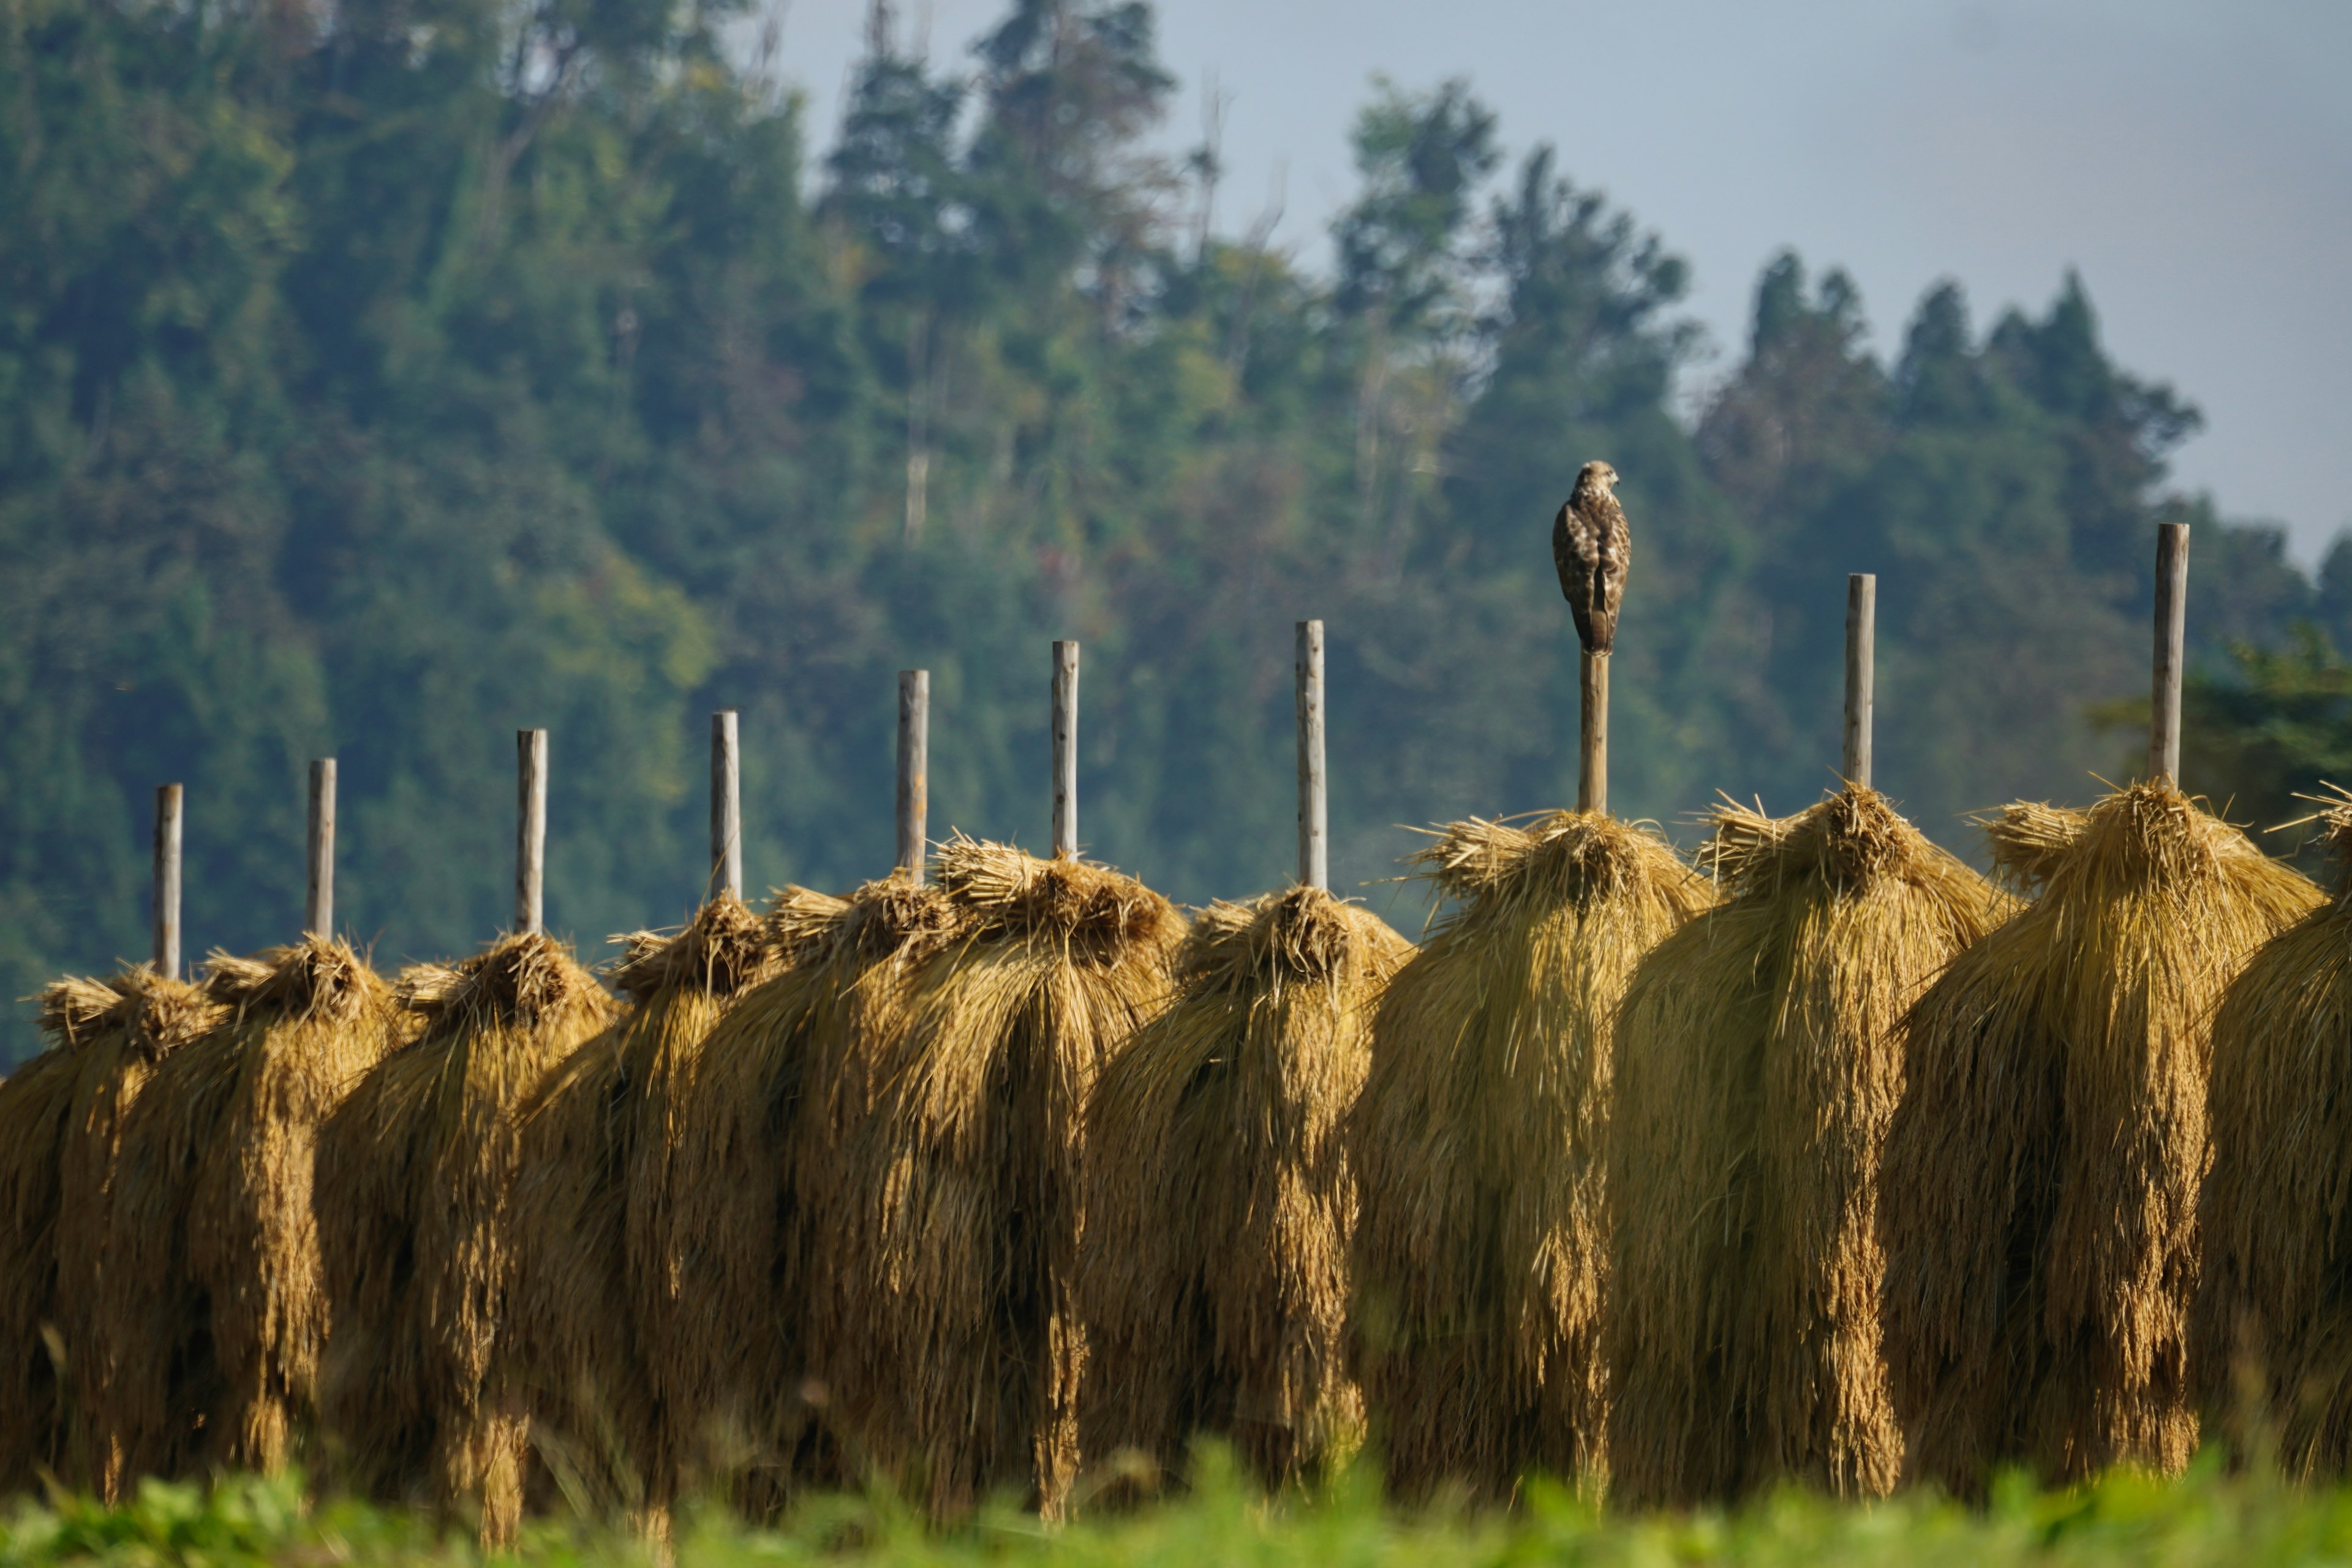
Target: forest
{"points": [[378, 378]]}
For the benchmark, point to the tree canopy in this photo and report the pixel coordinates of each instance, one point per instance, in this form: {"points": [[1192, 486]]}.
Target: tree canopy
{"points": [[378, 378]]}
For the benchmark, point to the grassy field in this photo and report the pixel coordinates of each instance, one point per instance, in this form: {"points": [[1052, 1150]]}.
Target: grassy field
{"points": [[2207, 1518]]}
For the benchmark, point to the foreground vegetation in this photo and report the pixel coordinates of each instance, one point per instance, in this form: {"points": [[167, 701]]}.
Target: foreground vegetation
{"points": [[2208, 1518]]}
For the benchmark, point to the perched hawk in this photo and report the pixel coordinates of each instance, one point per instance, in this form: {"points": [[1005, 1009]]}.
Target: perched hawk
{"points": [[1591, 546]]}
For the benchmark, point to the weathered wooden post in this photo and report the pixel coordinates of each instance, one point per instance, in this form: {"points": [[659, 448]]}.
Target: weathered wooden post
{"points": [[531, 828], [1592, 750], [1861, 673], [1065, 749], [1314, 815], [914, 768], [726, 806], [318, 907], [2171, 631], [167, 880]]}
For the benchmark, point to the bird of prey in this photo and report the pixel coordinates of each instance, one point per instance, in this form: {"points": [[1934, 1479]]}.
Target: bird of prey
{"points": [[1591, 546]]}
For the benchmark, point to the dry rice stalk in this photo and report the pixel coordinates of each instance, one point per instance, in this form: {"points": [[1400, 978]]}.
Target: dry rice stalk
{"points": [[591, 1208], [215, 1317], [1213, 1279], [1759, 1057], [34, 1104], [949, 1329], [61, 1123], [415, 1174], [2038, 1192], [2271, 1340], [123, 1045], [784, 1080], [1481, 1254]]}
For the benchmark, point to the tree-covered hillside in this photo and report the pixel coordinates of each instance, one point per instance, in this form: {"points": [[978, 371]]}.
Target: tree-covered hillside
{"points": [[380, 376]]}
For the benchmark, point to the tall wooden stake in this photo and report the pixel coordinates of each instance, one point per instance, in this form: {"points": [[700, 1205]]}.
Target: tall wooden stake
{"points": [[531, 828], [319, 907], [914, 768], [1314, 809], [1592, 754], [2171, 631], [167, 880], [1861, 674], [726, 806], [1065, 749]]}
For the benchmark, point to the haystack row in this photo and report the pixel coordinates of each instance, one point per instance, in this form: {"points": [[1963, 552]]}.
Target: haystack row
{"points": [[1824, 1160]]}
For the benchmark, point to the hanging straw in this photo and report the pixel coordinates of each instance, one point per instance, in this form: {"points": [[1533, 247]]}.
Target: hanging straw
{"points": [[2039, 1188], [1481, 1254], [2270, 1343], [591, 1207], [215, 1317], [954, 1341], [1214, 1274], [784, 1080], [61, 1123], [1759, 1060], [415, 1174]]}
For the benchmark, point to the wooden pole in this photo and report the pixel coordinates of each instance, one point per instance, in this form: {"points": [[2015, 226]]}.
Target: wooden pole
{"points": [[1592, 760], [1314, 807], [168, 800], [914, 769], [1065, 749], [726, 806], [319, 907], [2171, 631], [531, 828], [1861, 674]]}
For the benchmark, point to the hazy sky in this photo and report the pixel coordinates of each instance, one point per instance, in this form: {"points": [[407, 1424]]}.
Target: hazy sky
{"points": [[2193, 161]]}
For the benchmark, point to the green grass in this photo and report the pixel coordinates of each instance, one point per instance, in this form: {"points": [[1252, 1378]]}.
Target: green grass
{"points": [[2208, 1518]]}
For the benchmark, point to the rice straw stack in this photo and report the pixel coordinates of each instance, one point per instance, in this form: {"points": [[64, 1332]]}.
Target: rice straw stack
{"points": [[215, 1316], [2037, 1195], [1759, 1057], [591, 1204], [415, 1174], [2270, 1343], [61, 1121], [1214, 1275], [951, 1329], [784, 1080], [1481, 1252]]}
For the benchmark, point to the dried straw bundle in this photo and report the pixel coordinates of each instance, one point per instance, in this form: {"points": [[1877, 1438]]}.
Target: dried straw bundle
{"points": [[949, 1321], [591, 1208], [2038, 1192], [1759, 1057], [215, 1317], [783, 1081], [414, 1176], [61, 1123], [1481, 1256], [2270, 1341], [1213, 1280]]}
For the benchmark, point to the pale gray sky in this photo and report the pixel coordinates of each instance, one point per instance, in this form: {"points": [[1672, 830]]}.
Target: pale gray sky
{"points": [[2194, 161]]}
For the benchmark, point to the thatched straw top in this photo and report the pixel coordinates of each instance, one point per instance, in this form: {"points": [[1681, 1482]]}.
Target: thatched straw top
{"points": [[1303, 935], [2335, 835], [513, 982], [725, 951], [2030, 839], [1000, 890], [1577, 856], [312, 978], [801, 921], [157, 1016], [2147, 830], [1852, 840]]}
